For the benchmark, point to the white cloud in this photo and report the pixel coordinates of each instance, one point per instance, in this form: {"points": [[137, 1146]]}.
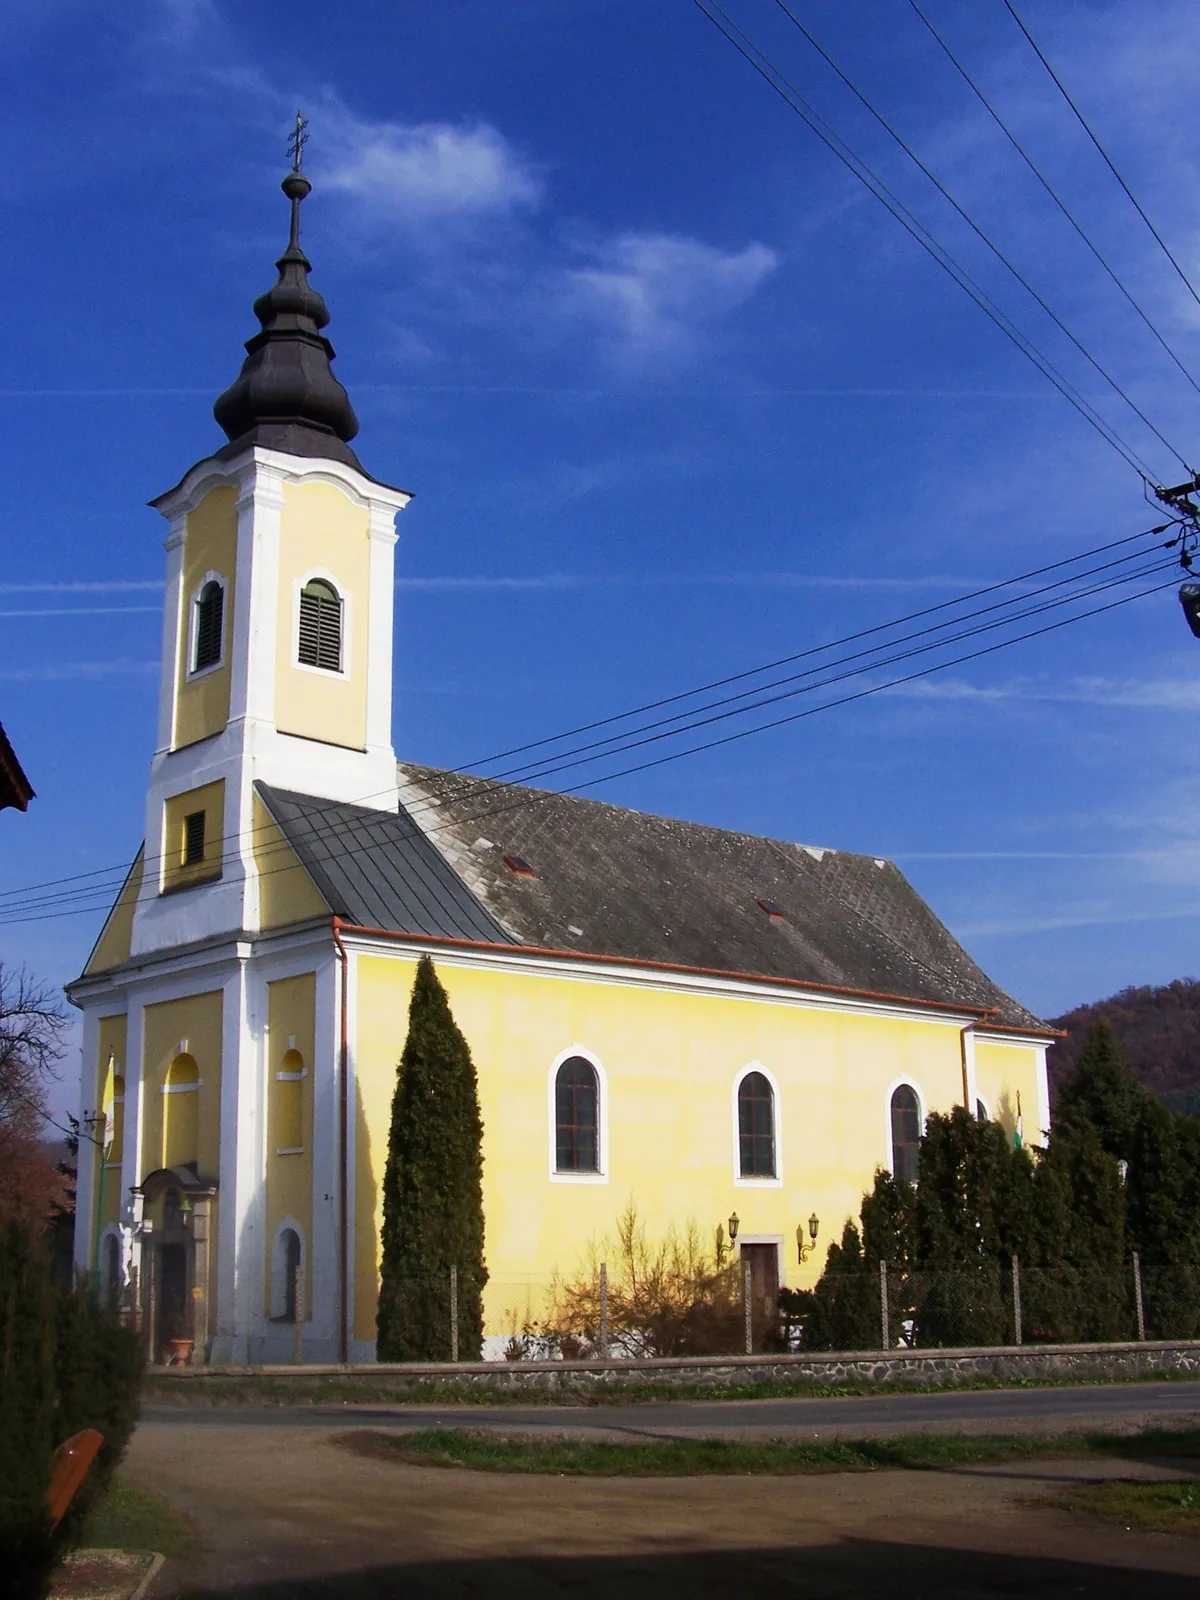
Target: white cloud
{"points": [[427, 171], [648, 294], [1150, 694]]}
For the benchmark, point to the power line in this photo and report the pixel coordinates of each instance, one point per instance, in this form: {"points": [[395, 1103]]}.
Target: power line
{"points": [[1053, 193], [527, 800], [1104, 156], [38, 911], [796, 102], [1019, 582], [977, 229], [851, 638]]}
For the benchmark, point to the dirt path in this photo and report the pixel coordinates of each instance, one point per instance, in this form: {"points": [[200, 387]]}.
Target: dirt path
{"points": [[284, 1513]]}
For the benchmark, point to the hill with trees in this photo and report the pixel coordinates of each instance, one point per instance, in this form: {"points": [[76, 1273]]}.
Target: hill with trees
{"points": [[1159, 1032]]}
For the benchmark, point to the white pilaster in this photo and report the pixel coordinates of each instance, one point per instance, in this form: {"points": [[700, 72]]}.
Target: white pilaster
{"points": [[85, 1185], [240, 1197], [323, 1252], [380, 612], [174, 634], [135, 1162]]}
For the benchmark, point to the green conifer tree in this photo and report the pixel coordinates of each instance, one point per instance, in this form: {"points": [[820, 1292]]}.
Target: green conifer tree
{"points": [[1102, 1091], [432, 1190]]}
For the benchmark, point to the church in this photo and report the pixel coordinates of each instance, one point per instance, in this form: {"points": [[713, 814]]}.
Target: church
{"points": [[706, 1024]]}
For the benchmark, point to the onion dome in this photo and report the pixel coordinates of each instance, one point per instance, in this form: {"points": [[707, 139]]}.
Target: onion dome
{"points": [[286, 396]]}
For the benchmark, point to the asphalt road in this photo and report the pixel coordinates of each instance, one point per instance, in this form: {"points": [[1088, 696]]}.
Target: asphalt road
{"points": [[1085, 1408]]}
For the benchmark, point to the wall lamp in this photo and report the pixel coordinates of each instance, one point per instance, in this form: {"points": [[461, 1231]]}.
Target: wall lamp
{"points": [[733, 1226], [803, 1250]]}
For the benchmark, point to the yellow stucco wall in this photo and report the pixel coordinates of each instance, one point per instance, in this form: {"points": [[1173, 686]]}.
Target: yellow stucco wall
{"points": [[671, 1061], [189, 1026], [323, 532], [287, 893], [291, 1021], [116, 937], [210, 545], [209, 798], [110, 1047], [997, 1084]]}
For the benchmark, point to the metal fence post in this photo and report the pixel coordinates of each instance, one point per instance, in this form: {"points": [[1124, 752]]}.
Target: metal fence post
{"points": [[454, 1313], [604, 1311], [883, 1307], [298, 1313], [1016, 1301], [1137, 1295], [747, 1308]]}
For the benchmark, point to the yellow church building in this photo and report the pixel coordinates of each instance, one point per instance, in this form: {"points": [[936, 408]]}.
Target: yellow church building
{"points": [[698, 1021]]}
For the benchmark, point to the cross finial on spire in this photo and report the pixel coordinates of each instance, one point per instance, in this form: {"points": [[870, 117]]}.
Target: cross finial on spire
{"points": [[297, 142]]}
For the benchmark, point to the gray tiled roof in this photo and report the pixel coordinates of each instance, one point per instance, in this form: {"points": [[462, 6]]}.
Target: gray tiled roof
{"points": [[610, 881], [614, 882]]}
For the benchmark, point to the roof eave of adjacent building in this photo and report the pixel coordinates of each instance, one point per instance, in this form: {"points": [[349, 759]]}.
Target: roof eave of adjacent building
{"points": [[984, 1016]]}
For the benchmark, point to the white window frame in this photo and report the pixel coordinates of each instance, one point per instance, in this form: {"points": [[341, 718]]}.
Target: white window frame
{"points": [[279, 1263], [194, 672], [597, 1067], [902, 1082], [343, 594], [776, 1129]]}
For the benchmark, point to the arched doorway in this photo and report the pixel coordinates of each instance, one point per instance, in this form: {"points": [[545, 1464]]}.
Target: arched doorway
{"points": [[177, 1206]]}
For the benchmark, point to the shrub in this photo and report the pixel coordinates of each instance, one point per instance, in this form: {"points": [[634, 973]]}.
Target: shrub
{"points": [[668, 1299], [65, 1364]]}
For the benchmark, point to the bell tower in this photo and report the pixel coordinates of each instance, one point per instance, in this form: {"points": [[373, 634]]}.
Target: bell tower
{"points": [[277, 624]]}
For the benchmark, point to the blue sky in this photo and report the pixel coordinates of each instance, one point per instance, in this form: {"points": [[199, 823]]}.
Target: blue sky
{"points": [[674, 394]]}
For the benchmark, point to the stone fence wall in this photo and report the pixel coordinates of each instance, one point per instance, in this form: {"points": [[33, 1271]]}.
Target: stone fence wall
{"points": [[1013, 1363]]}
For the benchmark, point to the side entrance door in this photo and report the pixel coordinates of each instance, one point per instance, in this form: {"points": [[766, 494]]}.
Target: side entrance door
{"points": [[764, 1288]]}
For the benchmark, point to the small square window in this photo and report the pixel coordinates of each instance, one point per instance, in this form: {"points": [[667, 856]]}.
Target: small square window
{"points": [[519, 867], [774, 911], [193, 838]]}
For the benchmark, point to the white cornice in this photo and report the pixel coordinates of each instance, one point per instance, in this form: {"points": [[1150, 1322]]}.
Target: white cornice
{"points": [[212, 472]]}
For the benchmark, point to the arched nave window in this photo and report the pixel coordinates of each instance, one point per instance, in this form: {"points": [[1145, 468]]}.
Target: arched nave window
{"points": [[320, 643], [576, 1117], [906, 1132], [756, 1127]]}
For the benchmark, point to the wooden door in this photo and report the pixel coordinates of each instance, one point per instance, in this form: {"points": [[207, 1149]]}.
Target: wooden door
{"points": [[763, 1260]]}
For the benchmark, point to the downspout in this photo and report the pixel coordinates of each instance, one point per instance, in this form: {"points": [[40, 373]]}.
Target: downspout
{"points": [[343, 1151], [975, 1022]]}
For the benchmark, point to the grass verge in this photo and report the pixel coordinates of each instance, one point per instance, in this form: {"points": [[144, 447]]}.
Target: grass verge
{"points": [[1163, 1507], [286, 1390], [129, 1518], [677, 1458]]}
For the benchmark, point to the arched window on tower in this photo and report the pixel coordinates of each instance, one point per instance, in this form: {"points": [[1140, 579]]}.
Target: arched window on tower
{"points": [[210, 618], [576, 1117], [320, 642], [906, 1133], [756, 1127]]}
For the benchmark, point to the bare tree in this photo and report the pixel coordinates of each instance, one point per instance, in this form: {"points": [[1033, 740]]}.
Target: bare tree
{"points": [[32, 1026]]}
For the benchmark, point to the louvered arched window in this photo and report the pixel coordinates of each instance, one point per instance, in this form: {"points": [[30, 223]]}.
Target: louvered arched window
{"points": [[210, 619], [320, 642]]}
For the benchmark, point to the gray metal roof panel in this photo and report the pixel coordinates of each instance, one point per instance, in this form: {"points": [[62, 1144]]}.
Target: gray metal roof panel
{"points": [[378, 869]]}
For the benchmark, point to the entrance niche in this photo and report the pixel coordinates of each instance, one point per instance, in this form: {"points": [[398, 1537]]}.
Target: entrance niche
{"points": [[178, 1208], [763, 1260]]}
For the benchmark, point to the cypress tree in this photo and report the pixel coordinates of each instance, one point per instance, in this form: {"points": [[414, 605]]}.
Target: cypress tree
{"points": [[432, 1190]]}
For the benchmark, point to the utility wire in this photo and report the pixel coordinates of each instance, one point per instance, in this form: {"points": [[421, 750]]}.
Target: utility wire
{"points": [[851, 638], [1104, 156], [122, 868], [1054, 195], [792, 97], [978, 230], [52, 909], [527, 800]]}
